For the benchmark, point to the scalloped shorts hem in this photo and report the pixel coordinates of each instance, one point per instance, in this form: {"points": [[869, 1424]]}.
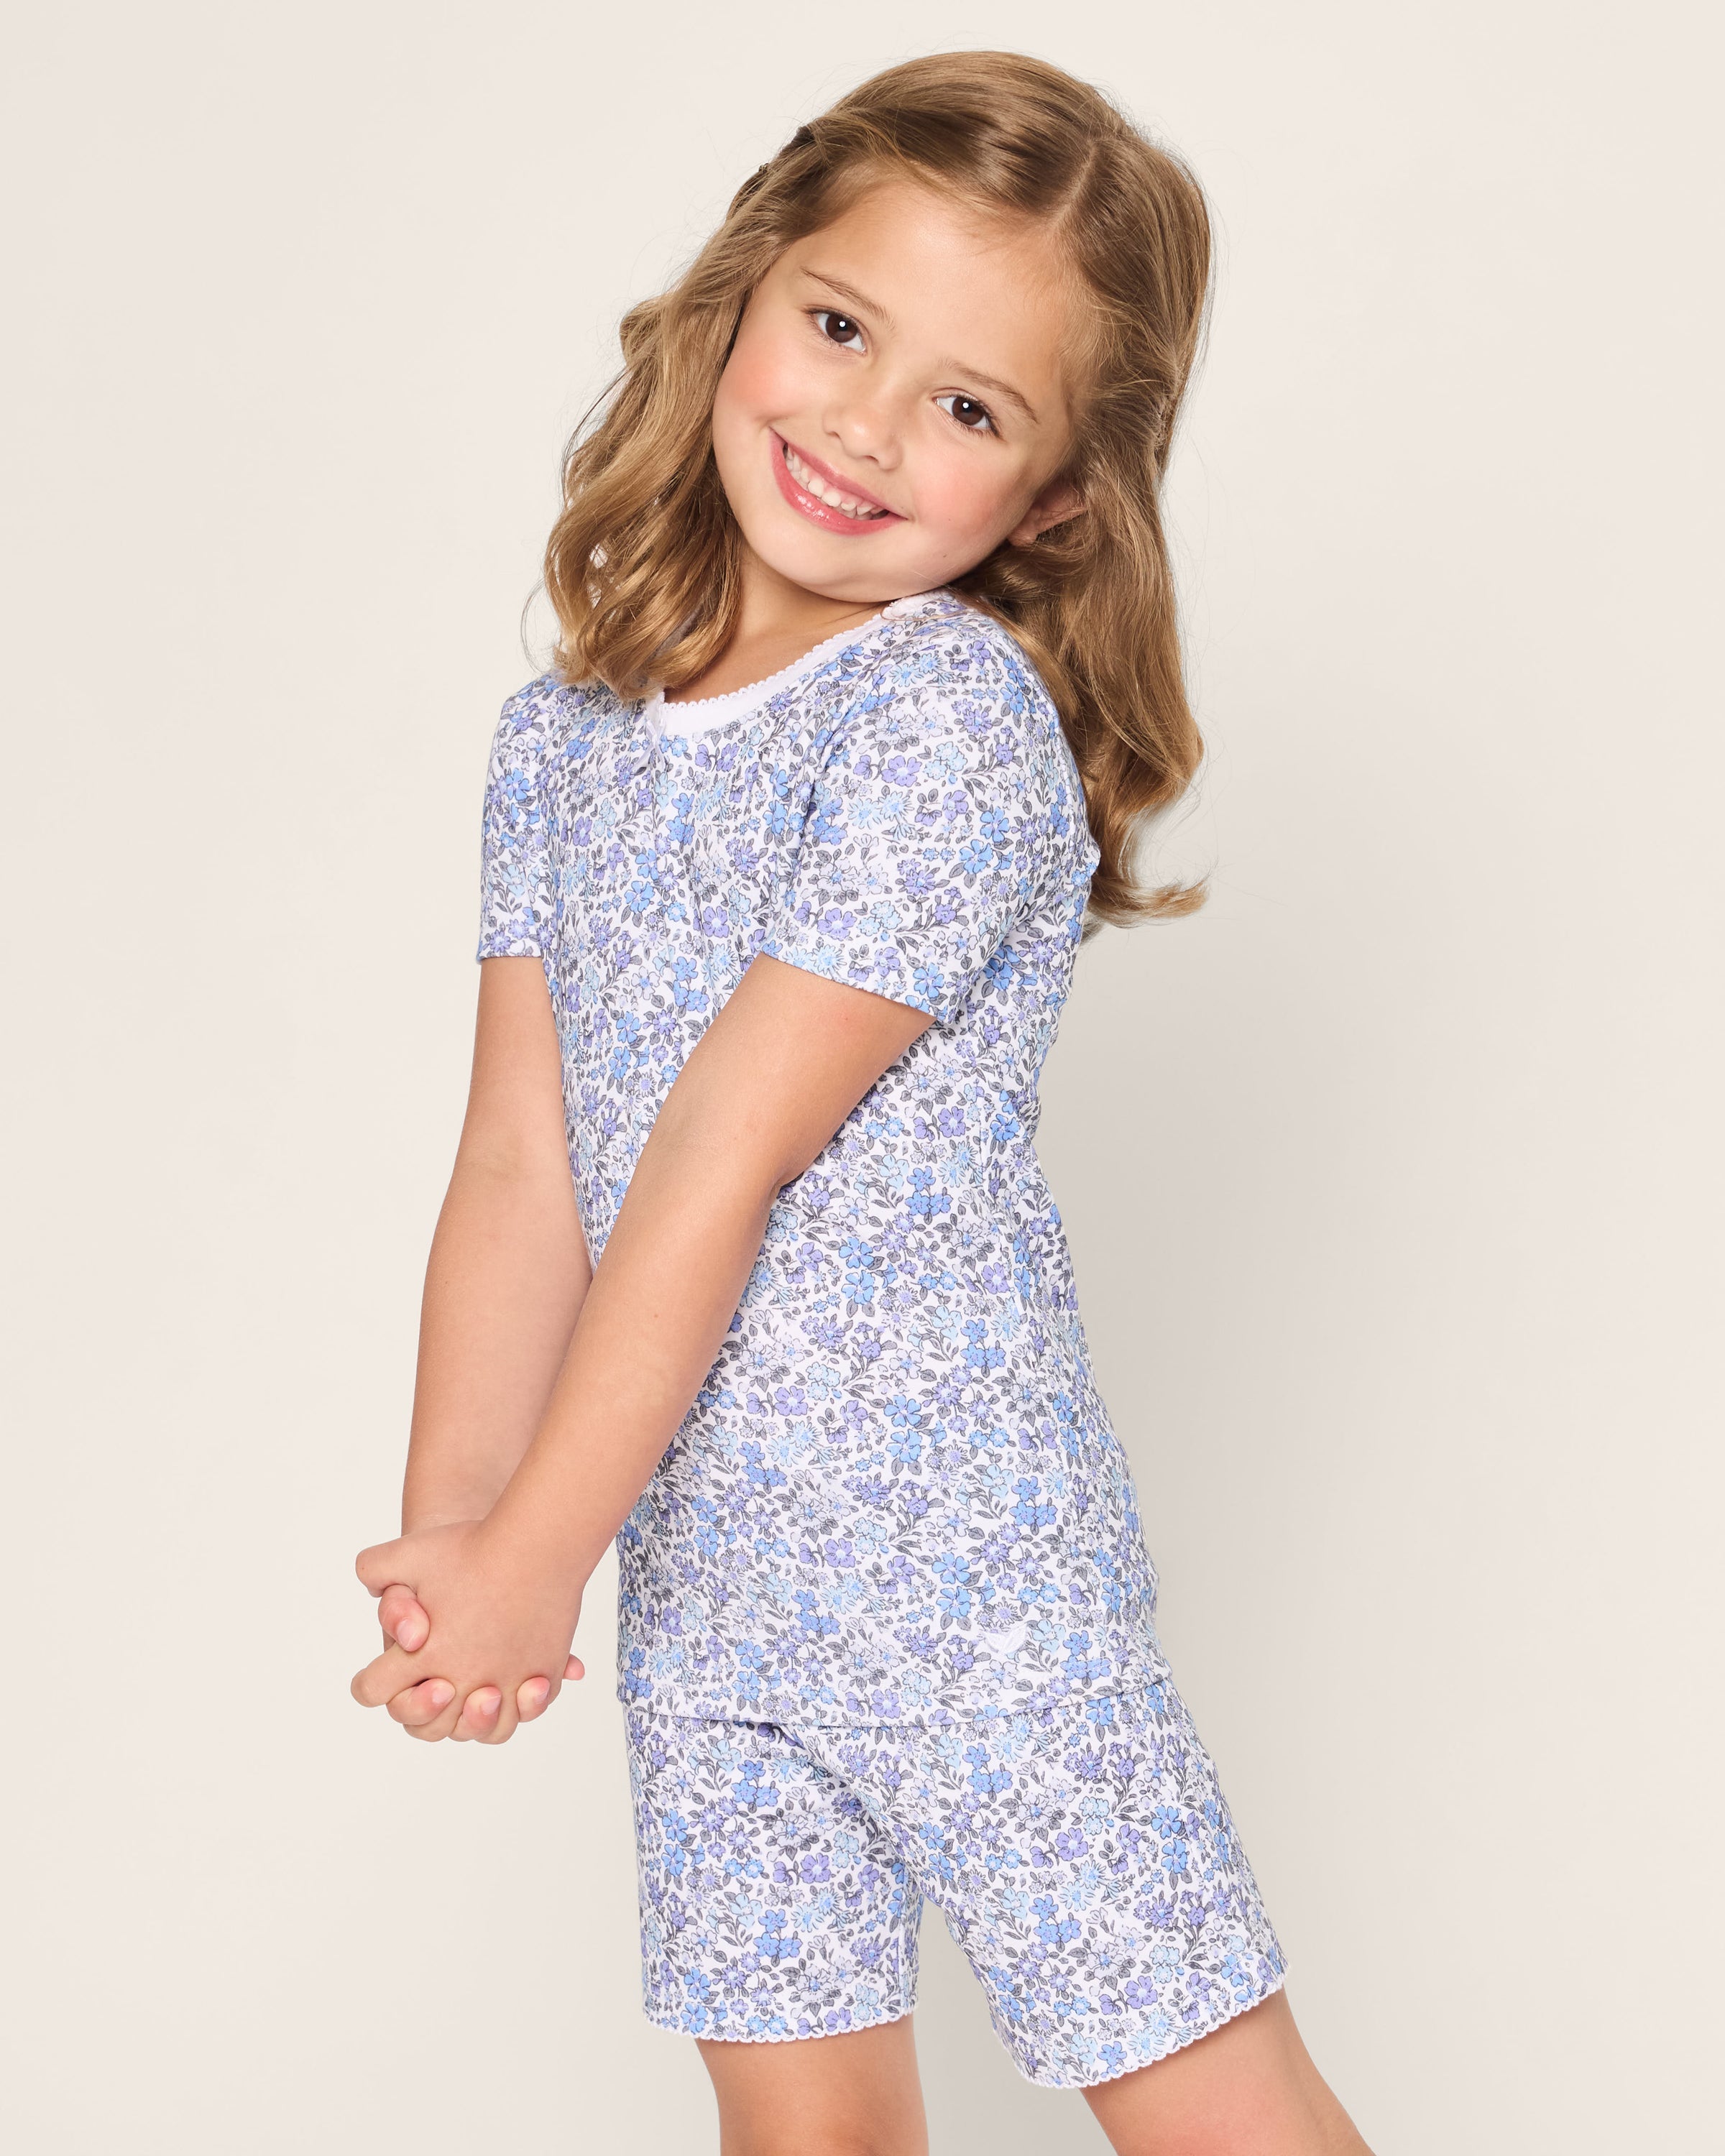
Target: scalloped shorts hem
{"points": [[1135, 2044], [675, 2025], [1132, 2044]]}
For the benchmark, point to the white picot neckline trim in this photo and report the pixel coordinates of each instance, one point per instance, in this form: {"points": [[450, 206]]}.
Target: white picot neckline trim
{"points": [[710, 711]]}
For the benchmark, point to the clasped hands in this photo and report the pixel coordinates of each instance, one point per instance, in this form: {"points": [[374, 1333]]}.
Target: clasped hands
{"points": [[472, 1633]]}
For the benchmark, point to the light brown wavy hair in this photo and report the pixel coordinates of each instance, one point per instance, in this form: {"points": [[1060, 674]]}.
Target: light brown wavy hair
{"points": [[643, 565]]}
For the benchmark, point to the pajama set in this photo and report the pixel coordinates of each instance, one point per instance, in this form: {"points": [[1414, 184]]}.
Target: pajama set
{"points": [[886, 1619]]}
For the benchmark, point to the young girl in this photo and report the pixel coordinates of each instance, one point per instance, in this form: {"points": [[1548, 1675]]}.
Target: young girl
{"points": [[868, 676]]}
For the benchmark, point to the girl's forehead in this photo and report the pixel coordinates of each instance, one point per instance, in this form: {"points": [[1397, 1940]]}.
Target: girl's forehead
{"points": [[935, 271]]}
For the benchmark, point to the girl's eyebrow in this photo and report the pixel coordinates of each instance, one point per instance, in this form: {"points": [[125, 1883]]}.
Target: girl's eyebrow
{"points": [[849, 292], [975, 374], [1003, 389]]}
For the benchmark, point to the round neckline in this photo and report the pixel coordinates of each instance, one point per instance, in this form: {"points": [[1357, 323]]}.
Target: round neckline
{"points": [[734, 704]]}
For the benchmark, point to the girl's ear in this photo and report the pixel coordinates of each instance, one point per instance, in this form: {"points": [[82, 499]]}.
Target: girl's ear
{"points": [[1058, 501]]}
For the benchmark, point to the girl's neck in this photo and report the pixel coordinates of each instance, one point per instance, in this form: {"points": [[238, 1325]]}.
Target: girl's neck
{"points": [[777, 622]]}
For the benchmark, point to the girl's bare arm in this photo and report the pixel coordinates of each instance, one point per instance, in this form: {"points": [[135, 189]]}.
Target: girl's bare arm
{"points": [[766, 1088], [508, 1270], [777, 1073]]}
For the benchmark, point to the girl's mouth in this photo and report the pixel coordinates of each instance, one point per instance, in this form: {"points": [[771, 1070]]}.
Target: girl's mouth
{"points": [[822, 497]]}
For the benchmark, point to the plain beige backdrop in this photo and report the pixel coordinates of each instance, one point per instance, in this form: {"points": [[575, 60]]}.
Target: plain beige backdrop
{"points": [[1392, 1179]]}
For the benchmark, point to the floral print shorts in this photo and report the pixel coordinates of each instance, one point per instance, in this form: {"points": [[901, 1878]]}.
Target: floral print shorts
{"points": [[1082, 1856]]}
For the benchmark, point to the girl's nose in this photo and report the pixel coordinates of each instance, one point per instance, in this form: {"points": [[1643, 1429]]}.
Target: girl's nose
{"points": [[865, 429]]}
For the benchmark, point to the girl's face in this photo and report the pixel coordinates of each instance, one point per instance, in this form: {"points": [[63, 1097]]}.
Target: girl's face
{"points": [[894, 404]]}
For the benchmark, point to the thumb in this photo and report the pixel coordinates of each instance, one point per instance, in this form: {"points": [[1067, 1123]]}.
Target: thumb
{"points": [[404, 1618], [382, 1564]]}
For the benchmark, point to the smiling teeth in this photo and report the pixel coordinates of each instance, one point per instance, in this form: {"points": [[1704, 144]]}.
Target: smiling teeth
{"points": [[819, 488]]}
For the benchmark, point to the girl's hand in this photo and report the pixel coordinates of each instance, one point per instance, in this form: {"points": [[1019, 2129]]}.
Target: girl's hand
{"points": [[496, 1625], [406, 1623]]}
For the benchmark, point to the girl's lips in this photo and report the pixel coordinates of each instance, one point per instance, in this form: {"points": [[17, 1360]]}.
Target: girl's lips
{"points": [[820, 512]]}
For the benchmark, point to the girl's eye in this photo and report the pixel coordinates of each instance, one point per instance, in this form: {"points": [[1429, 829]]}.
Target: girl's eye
{"points": [[969, 414], [839, 328]]}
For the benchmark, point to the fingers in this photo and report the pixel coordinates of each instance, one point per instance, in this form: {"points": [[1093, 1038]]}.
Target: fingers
{"points": [[508, 1720], [421, 1704], [533, 1697], [429, 1711], [425, 1707], [480, 1716], [474, 1720], [434, 1732], [405, 1620], [393, 1670], [490, 1717], [480, 1713]]}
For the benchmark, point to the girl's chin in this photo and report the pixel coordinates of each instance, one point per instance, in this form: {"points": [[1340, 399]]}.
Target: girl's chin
{"points": [[813, 568]]}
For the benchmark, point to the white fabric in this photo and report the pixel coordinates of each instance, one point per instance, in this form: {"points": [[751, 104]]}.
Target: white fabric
{"points": [[699, 714]]}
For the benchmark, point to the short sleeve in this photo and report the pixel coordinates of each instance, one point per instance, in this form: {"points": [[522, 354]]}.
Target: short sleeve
{"points": [[929, 831], [514, 879]]}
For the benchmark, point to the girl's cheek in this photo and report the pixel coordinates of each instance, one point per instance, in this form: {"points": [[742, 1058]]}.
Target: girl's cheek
{"points": [[966, 508], [761, 378]]}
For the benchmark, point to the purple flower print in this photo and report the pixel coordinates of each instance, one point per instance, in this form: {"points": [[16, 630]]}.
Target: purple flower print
{"points": [[904, 814]]}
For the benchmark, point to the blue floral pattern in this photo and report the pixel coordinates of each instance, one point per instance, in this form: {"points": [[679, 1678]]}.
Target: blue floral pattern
{"points": [[898, 1498], [1083, 1857]]}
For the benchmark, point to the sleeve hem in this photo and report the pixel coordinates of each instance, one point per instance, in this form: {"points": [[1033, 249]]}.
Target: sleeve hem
{"points": [[810, 958]]}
